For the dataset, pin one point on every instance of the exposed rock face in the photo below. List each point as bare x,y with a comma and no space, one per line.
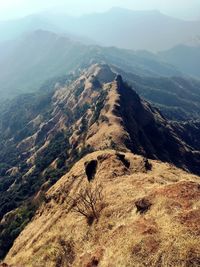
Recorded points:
148,218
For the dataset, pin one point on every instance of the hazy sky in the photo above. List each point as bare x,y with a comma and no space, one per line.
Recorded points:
180,8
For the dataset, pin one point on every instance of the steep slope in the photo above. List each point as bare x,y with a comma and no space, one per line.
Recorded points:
189,132
50,132
177,97
147,214
144,126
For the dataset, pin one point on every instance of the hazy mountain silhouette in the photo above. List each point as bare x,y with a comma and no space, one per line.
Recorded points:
30,60
118,27
186,58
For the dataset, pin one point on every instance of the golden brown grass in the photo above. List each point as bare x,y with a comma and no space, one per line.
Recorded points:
166,235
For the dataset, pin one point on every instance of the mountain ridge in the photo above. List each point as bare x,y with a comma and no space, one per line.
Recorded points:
96,111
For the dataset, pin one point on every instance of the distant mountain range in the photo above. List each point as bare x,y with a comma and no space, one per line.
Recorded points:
119,27
27,62
40,47
38,59
185,57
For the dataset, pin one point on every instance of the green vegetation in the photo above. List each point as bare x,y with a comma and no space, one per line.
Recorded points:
80,111
18,188
16,222
58,144
19,112
18,199
78,92
26,189
177,98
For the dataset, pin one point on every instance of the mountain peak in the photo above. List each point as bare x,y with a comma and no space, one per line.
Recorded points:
102,71
119,118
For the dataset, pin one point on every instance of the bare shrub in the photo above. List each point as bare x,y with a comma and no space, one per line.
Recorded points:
89,203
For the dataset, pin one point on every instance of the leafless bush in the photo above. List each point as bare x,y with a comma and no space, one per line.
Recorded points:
89,203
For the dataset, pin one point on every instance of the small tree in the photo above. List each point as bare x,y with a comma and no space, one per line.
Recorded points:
89,203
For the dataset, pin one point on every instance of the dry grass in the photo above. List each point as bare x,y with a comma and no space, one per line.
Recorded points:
166,235
101,134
